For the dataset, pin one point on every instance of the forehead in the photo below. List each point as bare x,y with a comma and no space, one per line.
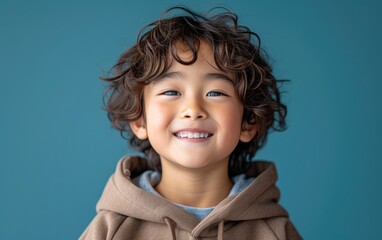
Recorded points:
186,63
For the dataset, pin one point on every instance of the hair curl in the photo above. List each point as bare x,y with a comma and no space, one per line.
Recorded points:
236,51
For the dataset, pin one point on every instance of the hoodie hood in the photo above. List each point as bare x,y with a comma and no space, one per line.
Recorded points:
257,201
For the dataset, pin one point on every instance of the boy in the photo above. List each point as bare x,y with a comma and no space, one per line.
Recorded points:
196,96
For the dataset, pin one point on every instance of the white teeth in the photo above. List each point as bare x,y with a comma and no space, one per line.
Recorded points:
183,135
191,135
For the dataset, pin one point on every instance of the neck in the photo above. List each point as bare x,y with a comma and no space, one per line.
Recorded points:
203,188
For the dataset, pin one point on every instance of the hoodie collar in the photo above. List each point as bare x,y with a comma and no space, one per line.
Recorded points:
258,200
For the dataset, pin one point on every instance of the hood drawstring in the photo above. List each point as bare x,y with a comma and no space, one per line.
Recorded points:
171,226
221,230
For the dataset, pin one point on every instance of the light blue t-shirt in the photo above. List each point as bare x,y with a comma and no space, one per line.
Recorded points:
149,179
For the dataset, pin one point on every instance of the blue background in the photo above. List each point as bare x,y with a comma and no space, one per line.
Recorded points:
57,149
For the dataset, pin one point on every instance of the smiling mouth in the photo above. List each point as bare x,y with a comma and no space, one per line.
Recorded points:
192,135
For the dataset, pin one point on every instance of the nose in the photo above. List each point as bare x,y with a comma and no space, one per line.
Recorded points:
193,109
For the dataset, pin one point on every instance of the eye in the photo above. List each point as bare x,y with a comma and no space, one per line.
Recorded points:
215,94
170,93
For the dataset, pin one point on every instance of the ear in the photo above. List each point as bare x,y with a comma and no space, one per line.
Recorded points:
248,132
139,128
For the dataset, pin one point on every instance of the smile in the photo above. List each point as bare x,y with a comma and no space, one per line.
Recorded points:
192,135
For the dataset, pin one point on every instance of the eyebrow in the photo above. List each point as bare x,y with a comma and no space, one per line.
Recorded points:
213,76
179,75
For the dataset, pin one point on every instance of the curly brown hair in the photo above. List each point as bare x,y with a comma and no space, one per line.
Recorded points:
236,51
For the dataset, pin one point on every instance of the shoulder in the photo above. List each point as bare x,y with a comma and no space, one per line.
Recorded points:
103,226
283,228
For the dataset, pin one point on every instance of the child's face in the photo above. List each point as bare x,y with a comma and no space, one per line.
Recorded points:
193,117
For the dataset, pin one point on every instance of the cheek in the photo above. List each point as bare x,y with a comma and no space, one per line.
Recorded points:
158,117
233,116
231,121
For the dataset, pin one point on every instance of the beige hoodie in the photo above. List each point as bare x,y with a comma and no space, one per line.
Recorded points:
128,212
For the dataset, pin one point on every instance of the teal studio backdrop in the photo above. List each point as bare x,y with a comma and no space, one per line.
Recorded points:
57,148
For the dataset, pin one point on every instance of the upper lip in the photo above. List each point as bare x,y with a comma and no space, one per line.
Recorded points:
193,130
